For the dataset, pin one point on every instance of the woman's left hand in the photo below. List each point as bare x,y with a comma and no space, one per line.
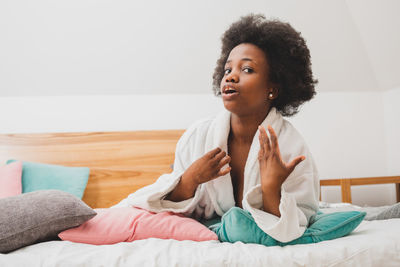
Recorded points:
273,170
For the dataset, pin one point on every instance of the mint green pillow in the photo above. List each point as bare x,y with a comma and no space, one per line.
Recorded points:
39,176
238,225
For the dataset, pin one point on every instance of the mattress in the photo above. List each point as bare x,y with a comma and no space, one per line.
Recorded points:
373,243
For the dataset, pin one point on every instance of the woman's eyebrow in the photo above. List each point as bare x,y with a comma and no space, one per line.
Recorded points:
243,59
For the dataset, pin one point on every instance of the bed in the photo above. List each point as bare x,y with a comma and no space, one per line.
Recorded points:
122,162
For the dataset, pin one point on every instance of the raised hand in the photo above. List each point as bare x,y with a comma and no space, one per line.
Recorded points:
208,167
273,170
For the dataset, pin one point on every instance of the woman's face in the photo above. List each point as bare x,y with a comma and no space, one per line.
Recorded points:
244,87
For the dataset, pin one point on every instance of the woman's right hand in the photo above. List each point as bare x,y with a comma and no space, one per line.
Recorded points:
208,167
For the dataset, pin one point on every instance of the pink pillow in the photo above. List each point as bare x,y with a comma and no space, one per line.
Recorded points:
115,225
10,179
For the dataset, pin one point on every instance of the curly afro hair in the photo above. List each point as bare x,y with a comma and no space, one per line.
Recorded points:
287,55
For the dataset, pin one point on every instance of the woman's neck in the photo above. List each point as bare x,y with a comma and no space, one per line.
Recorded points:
243,128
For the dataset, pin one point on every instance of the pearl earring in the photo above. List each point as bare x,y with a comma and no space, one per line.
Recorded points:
271,95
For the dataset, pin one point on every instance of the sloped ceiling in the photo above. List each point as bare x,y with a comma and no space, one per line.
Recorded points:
355,44
81,47
378,24
339,57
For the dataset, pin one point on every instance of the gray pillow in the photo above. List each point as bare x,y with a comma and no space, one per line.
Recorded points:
39,216
386,213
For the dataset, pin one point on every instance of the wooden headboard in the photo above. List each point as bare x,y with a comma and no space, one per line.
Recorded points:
119,162
122,162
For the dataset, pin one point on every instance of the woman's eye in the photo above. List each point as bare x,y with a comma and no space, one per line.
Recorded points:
248,70
227,71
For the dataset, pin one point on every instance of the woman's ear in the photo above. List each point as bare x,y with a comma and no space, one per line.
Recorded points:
272,92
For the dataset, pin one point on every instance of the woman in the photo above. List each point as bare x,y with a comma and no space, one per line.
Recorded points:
264,72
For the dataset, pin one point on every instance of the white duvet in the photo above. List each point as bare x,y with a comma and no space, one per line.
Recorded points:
373,243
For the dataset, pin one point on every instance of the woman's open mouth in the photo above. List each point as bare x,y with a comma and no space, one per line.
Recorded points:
229,93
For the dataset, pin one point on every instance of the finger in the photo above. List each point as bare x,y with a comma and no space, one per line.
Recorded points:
262,136
261,151
219,156
295,162
261,141
224,171
213,152
261,154
274,138
224,161
267,146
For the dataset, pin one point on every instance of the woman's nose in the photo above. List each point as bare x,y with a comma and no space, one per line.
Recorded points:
231,77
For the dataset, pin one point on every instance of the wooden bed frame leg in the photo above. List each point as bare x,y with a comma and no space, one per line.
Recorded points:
346,190
321,198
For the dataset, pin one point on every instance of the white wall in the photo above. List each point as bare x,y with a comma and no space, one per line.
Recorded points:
392,130
104,112
346,134
377,23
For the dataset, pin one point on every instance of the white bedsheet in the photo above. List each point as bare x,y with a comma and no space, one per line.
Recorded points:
373,243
